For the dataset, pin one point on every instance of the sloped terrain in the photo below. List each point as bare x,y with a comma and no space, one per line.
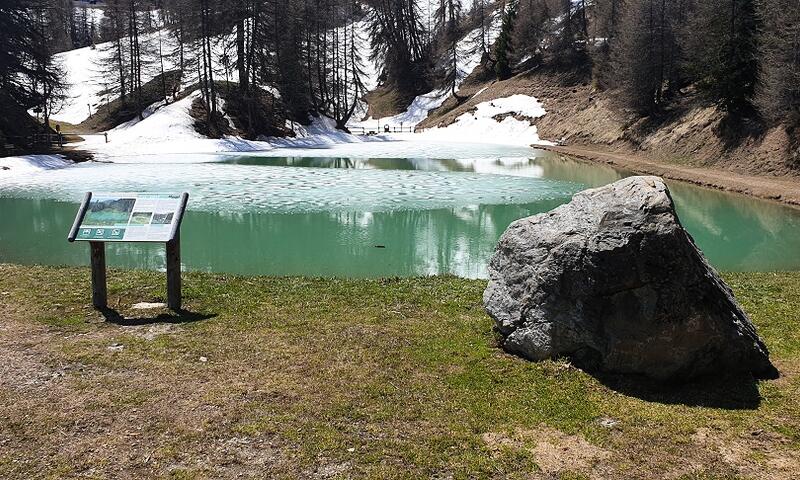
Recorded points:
109,115
692,133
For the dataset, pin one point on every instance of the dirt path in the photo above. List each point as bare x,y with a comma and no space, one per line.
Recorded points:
784,190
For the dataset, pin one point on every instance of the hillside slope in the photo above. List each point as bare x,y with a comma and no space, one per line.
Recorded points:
692,133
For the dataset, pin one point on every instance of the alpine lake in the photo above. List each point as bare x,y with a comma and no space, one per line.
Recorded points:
377,209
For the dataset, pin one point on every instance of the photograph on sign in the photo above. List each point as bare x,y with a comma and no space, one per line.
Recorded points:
131,217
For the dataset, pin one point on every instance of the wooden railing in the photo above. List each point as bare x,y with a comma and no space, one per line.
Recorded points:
50,140
361,130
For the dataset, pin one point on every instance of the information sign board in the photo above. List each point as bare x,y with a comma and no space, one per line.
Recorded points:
130,217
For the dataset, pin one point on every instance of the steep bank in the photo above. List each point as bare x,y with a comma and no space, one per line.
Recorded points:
784,189
691,134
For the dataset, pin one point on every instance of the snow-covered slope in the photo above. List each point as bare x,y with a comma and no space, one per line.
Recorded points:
84,91
87,79
503,120
169,130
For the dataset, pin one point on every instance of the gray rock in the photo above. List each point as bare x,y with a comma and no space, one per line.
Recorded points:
613,281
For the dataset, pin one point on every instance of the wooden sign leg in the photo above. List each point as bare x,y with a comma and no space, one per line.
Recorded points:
174,273
99,290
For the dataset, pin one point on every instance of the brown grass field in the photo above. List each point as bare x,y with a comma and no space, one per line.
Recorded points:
266,377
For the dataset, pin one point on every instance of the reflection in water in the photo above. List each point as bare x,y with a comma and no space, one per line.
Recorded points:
564,169
739,233
515,166
359,244
543,166
735,232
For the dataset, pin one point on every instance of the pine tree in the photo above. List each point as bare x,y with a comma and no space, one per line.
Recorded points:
722,47
347,85
112,67
46,83
646,55
779,82
530,28
449,33
503,46
608,14
29,77
481,9
399,43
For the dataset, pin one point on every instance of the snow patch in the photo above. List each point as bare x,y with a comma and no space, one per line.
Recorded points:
480,91
32,164
87,81
519,104
482,124
168,130
165,129
416,112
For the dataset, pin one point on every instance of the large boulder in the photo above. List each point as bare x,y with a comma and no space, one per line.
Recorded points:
613,281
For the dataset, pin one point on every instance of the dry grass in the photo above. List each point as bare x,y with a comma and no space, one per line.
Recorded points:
309,378
385,102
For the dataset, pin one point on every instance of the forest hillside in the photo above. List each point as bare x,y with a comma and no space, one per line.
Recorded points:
707,83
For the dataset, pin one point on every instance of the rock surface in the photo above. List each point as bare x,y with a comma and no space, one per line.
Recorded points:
613,281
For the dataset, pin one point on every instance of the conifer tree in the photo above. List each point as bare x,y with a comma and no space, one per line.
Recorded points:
449,33
778,94
503,46
399,43
29,77
722,49
646,55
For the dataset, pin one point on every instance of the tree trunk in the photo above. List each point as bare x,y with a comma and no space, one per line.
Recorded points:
240,54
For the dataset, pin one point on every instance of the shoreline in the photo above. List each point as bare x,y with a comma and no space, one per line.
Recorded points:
783,190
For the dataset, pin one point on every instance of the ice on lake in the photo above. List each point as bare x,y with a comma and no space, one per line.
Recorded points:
265,184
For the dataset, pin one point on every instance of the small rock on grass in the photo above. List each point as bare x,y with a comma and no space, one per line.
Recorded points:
148,305
608,422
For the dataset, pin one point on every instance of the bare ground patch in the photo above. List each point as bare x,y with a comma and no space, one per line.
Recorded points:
554,452
757,454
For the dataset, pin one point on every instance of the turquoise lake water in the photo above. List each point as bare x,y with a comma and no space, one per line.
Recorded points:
329,214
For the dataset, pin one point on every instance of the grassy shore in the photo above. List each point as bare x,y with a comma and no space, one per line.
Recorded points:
304,378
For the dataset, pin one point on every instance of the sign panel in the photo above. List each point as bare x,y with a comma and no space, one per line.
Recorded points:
130,217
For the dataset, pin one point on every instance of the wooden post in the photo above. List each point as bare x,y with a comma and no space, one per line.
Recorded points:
99,289
174,272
